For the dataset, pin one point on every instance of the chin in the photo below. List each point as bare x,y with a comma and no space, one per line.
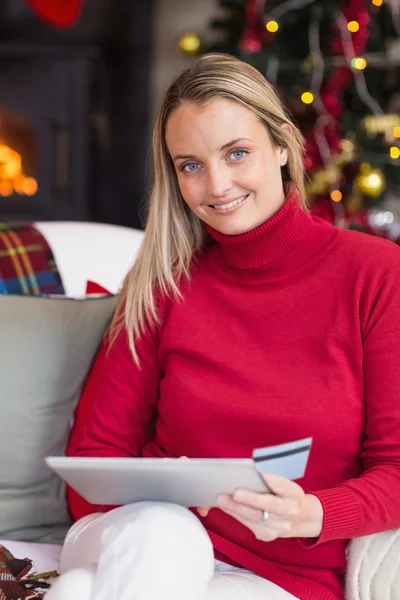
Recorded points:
235,228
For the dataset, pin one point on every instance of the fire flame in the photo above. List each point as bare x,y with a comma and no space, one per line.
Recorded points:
12,178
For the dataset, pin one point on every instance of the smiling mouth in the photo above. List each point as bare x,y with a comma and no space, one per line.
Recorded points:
229,205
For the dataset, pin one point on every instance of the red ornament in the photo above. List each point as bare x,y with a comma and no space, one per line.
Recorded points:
252,38
308,163
250,44
332,105
340,77
59,13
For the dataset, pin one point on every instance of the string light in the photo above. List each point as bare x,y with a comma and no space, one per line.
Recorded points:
353,26
272,26
394,152
307,97
359,63
336,195
377,2
359,78
324,117
396,132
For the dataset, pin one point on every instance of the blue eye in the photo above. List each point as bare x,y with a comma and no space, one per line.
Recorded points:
238,154
188,167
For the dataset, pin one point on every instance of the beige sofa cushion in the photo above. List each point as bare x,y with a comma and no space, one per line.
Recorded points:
47,345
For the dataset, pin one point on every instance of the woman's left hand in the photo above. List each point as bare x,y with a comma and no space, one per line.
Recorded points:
287,512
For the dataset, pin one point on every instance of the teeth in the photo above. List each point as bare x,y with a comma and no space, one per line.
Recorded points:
230,204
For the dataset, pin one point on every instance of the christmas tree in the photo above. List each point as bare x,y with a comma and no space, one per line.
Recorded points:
336,66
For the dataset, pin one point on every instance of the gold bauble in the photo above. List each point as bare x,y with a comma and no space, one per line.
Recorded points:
314,189
322,180
365,168
375,124
370,182
326,176
189,43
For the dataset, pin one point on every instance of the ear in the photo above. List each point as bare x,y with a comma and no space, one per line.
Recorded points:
283,156
283,151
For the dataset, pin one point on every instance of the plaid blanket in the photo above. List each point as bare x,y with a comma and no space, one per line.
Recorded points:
18,580
27,264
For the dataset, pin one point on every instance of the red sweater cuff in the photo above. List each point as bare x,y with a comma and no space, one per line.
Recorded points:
341,516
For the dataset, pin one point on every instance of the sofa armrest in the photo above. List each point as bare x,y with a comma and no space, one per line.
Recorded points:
373,571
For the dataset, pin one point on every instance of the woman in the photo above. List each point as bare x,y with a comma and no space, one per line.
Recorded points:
244,323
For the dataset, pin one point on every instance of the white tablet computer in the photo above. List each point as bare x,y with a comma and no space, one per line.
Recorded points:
194,482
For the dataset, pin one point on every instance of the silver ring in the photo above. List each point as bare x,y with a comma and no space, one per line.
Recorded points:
264,516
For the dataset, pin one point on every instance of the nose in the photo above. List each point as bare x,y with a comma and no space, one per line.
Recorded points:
218,181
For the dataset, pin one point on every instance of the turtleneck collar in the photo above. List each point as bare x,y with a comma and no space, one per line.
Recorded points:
283,243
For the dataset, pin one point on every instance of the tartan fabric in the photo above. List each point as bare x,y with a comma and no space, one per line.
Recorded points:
18,580
27,264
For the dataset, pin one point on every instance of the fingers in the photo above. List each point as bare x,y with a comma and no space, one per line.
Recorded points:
254,515
287,508
203,510
283,506
245,512
268,530
281,486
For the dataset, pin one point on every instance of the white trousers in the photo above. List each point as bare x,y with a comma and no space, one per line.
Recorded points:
150,551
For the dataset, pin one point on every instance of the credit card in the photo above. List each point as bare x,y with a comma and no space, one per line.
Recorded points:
288,460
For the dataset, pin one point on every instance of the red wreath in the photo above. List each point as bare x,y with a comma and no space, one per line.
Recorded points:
59,13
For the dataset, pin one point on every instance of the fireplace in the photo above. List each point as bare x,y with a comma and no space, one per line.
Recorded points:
18,172
70,113
45,157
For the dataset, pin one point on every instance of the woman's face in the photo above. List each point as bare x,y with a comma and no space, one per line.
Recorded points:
228,170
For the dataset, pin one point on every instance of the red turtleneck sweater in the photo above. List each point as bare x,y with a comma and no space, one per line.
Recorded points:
288,331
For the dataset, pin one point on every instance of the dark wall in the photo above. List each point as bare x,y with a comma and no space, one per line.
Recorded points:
113,40
123,191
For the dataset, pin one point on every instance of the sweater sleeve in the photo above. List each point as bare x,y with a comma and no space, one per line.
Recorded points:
370,503
125,400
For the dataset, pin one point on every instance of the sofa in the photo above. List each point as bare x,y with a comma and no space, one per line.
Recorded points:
103,254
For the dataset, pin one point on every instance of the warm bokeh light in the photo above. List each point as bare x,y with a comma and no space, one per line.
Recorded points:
394,152
377,2
307,97
396,132
189,43
353,26
272,26
359,63
336,195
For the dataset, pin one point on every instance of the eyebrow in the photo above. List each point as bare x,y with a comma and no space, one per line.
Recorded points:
224,147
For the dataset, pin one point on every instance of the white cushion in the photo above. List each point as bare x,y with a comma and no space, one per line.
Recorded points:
96,251
45,557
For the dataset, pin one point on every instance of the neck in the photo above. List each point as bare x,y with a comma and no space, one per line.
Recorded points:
280,245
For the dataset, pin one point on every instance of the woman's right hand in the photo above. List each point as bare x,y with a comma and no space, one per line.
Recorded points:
202,510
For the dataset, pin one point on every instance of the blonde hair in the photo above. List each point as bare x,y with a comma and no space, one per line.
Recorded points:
174,233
